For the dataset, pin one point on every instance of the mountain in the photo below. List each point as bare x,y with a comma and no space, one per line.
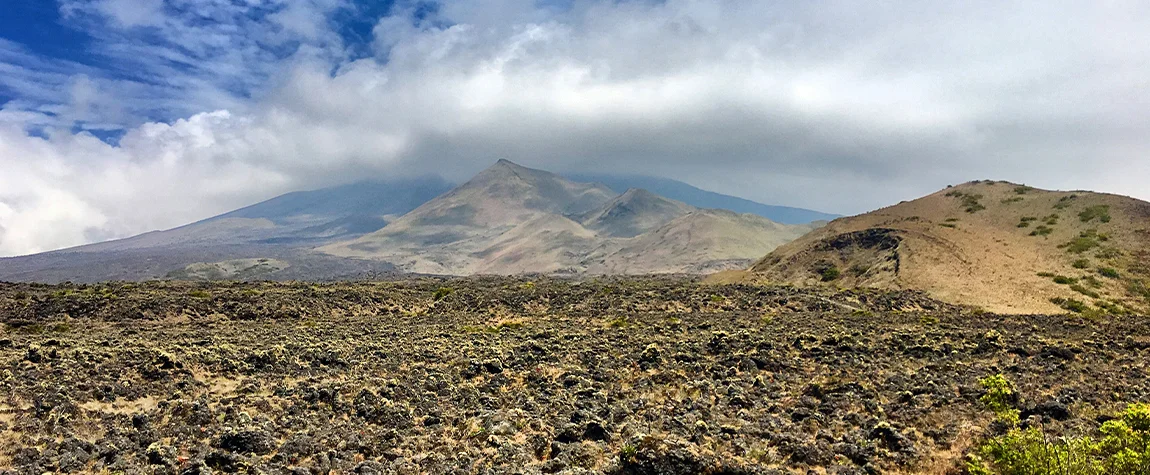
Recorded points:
512,219
632,213
679,191
1004,247
507,219
280,230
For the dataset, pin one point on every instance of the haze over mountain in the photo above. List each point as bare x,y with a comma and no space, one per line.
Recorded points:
1001,246
506,213
512,219
677,190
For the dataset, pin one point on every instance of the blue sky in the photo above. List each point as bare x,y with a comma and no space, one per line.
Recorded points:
124,116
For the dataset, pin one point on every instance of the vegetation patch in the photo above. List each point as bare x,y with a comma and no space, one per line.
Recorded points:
1025,221
1080,263
1109,272
971,202
1022,189
1121,446
1101,212
1084,291
1012,199
1041,230
1076,306
1065,202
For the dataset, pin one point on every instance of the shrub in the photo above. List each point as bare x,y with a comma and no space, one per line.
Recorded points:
1065,202
970,201
1051,219
1080,245
1102,212
1012,199
1108,272
1084,291
830,273
1076,306
1123,449
442,293
1046,274
1080,263
1022,189
1063,280
1041,230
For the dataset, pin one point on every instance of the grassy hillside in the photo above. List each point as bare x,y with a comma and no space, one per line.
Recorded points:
1003,246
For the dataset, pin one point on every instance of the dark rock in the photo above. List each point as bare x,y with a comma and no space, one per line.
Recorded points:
247,441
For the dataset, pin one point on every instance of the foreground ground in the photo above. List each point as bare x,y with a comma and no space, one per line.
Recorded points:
513,376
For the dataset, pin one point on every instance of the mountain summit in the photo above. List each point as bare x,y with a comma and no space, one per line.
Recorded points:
512,219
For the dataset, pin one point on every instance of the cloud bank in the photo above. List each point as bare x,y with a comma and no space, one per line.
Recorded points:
836,106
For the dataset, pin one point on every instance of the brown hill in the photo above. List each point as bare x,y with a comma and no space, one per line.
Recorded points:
511,219
998,245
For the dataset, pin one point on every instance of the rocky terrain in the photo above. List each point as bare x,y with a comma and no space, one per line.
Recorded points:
635,376
1001,246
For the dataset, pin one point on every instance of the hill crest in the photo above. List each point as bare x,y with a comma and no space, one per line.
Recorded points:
1002,246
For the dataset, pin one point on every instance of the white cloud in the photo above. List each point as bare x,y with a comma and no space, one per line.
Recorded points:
839,106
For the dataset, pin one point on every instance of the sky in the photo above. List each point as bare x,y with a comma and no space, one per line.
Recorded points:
123,116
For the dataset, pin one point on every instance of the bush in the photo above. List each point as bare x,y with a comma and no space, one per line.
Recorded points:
1084,291
1080,263
1080,244
1063,280
1108,272
830,273
442,293
1123,449
1102,212
1041,230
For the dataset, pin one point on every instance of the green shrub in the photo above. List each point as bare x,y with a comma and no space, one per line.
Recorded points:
830,273
1080,245
948,225
1108,253
1102,212
1108,272
999,398
1012,199
1063,280
1046,274
200,294
970,201
1076,306
1080,263
1084,291
442,293
1022,189
1123,449
1051,219
1041,230
1065,202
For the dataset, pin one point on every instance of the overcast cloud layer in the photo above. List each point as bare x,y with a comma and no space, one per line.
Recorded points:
836,106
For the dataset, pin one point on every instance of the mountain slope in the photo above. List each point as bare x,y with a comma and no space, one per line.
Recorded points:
282,228
699,242
679,191
633,213
1001,246
511,219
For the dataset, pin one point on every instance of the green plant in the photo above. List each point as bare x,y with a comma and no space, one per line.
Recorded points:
999,398
948,225
1102,212
1041,230
1063,280
1012,199
1080,263
1065,202
1022,189
200,294
830,273
1046,274
620,322
1122,449
970,201
1080,245
442,293
1108,272
1084,291
1051,219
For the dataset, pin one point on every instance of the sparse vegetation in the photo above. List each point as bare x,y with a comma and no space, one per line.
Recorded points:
1012,199
1022,189
1041,230
971,202
1080,263
1109,272
333,376
1122,449
1101,212
1084,291
1064,280
1065,202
